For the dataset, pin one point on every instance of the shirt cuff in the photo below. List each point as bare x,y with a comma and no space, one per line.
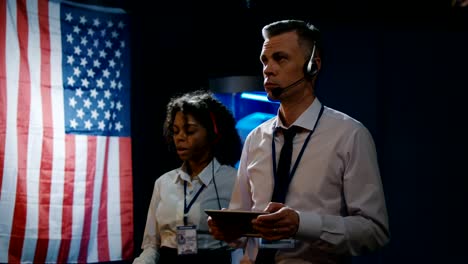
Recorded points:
310,225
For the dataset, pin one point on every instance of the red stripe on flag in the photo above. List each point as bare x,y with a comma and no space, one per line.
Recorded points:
68,192
24,100
3,95
126,196
90,175
47,138
103,238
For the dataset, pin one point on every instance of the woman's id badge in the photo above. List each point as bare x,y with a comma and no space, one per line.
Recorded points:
187,240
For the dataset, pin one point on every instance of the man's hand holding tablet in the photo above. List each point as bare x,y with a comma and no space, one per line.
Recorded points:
228,224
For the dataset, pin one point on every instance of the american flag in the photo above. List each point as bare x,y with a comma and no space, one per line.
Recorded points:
65,145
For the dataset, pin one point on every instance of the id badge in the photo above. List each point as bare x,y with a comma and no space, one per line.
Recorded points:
282,243
187,240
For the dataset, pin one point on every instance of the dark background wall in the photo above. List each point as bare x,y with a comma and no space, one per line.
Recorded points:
400,68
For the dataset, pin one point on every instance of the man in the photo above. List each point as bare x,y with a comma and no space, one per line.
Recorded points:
330,203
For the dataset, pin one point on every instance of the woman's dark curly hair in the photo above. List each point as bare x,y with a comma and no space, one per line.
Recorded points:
212,115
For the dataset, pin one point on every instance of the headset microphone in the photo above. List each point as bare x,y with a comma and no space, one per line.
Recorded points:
277,91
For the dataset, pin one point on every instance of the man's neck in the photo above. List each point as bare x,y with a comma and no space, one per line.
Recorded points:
290,110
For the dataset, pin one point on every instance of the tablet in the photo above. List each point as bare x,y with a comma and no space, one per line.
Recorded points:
238,220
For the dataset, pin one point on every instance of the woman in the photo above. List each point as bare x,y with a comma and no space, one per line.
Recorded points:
202,132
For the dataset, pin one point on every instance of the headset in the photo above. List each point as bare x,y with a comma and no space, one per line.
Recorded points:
215,128
310,68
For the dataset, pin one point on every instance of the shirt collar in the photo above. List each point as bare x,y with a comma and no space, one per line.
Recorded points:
205,176
306,120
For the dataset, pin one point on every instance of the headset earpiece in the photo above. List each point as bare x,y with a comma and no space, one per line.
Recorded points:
215,128
310,68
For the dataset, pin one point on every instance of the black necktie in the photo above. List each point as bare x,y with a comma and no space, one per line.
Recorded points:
284,166
267,255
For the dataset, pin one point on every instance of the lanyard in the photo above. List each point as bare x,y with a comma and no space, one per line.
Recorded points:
187,208
273,151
